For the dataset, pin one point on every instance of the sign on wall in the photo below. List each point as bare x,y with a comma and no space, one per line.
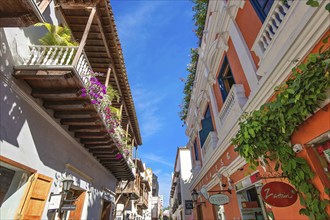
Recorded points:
279,194
219,199
55,201
189,204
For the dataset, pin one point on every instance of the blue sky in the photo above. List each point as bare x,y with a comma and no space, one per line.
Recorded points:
156,38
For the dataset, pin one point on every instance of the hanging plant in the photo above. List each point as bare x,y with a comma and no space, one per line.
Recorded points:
267,132
102,98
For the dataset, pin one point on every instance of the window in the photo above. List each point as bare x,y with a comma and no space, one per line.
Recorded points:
207,126
196,150
262,8
225,79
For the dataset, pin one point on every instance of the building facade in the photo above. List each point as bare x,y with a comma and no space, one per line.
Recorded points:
180,196
51,134
133,196
248,48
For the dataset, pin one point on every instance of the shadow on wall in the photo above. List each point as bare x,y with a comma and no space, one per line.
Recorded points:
9,108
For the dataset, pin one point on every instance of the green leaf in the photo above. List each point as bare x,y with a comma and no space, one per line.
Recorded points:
251,131
246,135
312,3
327,7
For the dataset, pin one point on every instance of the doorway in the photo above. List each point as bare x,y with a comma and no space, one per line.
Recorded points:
106,210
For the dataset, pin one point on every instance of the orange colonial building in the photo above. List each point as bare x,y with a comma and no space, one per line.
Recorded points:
246,51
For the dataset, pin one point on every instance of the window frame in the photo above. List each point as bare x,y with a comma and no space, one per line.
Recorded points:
259,9
223,78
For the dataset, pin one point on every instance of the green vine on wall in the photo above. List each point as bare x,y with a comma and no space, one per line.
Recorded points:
266,132
200,9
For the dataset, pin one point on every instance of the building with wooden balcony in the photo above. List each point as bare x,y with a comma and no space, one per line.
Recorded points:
50,132
248,48
133,196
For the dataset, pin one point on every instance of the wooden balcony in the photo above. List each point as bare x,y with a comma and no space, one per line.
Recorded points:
21,13
131,189
143,201
55,79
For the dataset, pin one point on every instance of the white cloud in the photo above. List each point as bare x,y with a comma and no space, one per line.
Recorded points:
133,23
155,158
147,106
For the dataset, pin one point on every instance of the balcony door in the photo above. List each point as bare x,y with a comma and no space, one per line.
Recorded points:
262,8
225,79
207,126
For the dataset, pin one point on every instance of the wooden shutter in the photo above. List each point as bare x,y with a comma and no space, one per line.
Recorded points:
76,214
36,197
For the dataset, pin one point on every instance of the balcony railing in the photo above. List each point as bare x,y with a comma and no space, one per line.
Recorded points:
209,145
143,201
59,56
131,188
232,109
271,26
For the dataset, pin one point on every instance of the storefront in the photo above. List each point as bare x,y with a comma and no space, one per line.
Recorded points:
249,199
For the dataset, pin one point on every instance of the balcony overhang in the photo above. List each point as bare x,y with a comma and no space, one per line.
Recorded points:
103,49
19,13
57,83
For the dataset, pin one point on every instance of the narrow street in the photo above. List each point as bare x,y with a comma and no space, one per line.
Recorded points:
165,109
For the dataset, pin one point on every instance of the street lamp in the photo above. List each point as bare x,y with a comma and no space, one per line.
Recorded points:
194,196
67,183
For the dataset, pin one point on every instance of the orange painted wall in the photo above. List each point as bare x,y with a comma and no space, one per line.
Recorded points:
310,129
245,17
236,67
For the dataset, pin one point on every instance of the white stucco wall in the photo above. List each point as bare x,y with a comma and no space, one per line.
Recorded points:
32,137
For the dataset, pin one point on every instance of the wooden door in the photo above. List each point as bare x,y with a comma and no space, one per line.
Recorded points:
106,210
33,204
76,214
199,212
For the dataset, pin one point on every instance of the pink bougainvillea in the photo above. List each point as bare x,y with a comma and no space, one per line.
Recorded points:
98,95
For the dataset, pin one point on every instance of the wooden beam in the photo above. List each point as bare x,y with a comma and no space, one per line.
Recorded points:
91,134
58,93
86,128
42,74
108,77
84,37
75,114
80,121
94,140
68,104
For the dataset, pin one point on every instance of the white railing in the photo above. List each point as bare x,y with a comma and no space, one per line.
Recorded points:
209,145
38,2
270,27
232,109
59,56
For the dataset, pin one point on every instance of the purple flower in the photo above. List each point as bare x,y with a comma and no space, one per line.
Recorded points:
119,156
93,102
83,95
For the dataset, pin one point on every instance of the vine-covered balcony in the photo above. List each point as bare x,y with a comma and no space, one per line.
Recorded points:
59,75
57,79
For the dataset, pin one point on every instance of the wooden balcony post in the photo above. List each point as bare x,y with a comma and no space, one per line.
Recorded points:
84,37
108,77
